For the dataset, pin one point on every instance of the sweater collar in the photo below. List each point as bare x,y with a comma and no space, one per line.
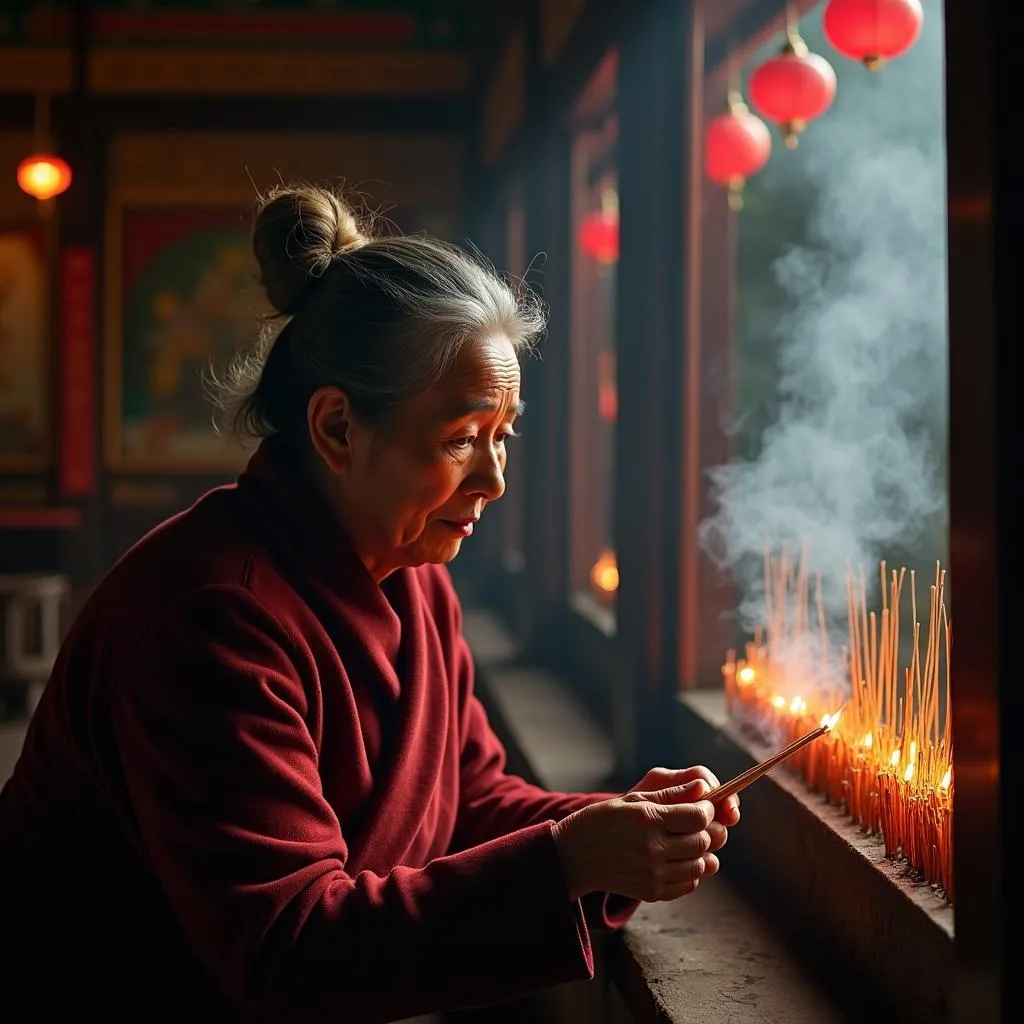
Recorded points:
299,527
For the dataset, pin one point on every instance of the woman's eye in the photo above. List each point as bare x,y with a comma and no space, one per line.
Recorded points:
462,442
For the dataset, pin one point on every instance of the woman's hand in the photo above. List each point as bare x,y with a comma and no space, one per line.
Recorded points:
667,780
646,845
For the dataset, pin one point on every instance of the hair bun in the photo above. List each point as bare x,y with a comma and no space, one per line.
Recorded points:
299,229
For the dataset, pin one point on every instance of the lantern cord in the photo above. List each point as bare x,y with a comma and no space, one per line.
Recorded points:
42,120
732,65
792,21
42,104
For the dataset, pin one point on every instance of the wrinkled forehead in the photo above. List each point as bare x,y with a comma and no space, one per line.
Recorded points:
491,363
485,378
483,381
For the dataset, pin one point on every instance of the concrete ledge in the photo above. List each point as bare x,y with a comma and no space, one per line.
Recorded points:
708,958
704,959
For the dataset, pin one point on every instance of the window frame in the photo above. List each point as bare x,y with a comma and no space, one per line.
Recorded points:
631,675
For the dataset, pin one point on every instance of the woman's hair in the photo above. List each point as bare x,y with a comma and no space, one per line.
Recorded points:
382,318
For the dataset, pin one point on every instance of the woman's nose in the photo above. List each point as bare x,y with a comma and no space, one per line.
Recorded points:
489,480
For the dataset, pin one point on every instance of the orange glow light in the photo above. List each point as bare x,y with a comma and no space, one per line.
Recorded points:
604,574
44,176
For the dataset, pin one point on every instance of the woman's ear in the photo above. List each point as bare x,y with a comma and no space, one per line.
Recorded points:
329,418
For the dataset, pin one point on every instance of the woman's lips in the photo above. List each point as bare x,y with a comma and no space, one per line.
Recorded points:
463,527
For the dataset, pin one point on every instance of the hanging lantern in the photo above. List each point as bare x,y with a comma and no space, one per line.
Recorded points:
599,231
44,176
737,145
873,31
793,87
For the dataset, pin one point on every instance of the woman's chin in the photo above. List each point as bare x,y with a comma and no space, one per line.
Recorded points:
436,553
446,552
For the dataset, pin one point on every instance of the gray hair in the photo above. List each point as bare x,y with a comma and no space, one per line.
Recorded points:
382,318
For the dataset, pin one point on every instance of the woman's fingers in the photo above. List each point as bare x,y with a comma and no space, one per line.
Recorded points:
719,835
689,846
728,811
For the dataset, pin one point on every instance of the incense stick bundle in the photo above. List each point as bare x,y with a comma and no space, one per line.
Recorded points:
741,782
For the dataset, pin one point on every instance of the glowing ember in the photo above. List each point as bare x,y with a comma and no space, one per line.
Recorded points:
947,778
746,675
829,721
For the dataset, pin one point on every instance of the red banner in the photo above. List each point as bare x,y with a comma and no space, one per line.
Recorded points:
77,373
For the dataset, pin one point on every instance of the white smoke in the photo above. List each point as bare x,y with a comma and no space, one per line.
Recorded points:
853,466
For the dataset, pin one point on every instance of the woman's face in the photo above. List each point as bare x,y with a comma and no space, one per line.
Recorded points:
412,493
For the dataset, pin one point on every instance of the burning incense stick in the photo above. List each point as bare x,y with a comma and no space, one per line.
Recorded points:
741,782
889,764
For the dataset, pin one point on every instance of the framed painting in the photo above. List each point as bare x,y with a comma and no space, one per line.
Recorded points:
182,298
24,352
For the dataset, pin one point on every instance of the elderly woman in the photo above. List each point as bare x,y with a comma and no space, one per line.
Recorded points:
258,785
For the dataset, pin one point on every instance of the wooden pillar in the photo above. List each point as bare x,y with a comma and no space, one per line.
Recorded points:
658,63
78,276
546,388
709,598
544,448
986,220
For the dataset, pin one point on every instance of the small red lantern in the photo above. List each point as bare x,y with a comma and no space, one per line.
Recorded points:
873,31
737,145
793,87
599,231
44,176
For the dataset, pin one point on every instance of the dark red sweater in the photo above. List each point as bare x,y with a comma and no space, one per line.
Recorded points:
259,786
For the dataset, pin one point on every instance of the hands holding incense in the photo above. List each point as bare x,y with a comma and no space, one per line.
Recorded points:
654,843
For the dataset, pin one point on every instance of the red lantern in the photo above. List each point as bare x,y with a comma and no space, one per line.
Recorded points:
793,87
873,31
737,145
44,176
599,231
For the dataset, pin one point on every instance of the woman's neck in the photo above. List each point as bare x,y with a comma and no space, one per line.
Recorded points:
348,520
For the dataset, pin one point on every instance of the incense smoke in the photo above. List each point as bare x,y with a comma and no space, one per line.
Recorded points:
854,463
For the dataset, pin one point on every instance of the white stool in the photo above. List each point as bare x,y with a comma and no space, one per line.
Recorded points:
33,617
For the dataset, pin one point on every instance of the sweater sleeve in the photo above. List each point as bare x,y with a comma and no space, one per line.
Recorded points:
211,721
493,803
